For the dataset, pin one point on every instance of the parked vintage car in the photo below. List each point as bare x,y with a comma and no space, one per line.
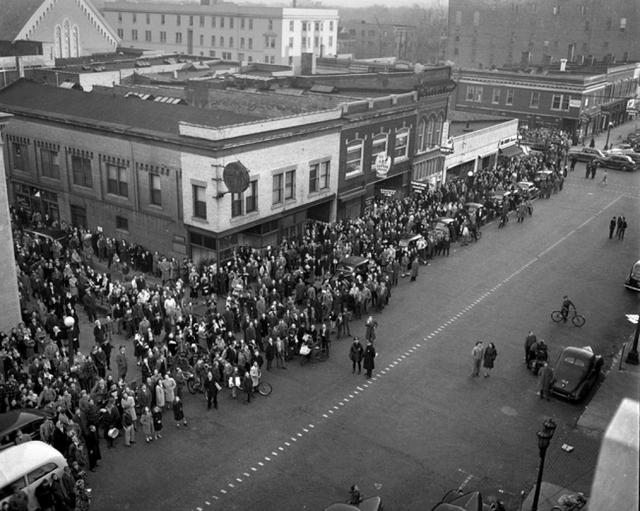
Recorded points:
584,153
477,211
410,242
352,266
633,280
28,421
528,190
576,372
616,151
617,162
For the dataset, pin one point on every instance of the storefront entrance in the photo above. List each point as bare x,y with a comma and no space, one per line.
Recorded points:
34,200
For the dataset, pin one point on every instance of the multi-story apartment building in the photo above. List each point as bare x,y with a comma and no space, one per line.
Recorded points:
10,314
582,102
485,33
245,33
376,40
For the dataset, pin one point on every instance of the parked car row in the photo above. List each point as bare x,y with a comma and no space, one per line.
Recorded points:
620,157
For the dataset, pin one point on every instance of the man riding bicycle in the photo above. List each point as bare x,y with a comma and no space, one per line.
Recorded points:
566,306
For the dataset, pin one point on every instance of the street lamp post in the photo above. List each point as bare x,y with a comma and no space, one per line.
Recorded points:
544,438
606,145
632,356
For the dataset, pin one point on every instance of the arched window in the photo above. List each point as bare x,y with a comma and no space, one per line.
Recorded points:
58,41
66,39
75,42
437,131
429,136
422,131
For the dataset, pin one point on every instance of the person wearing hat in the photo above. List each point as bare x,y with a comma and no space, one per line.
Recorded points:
354,495
368,357
356,352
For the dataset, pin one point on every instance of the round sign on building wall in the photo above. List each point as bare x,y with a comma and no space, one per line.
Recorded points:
236,177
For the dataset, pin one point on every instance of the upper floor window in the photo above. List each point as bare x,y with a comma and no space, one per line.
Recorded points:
291,26
319,176
134,17
251,197
401,149
155,190
162,19
242,23
117,180
509,98
270,24
178,20
354,158
236,204
231,22
178,37
277,191
199,202
213,22
50,163
534,102
495,99
290,185
437,131
19,156
147,18
250,23
81,171
421,132
119,17
190,21
378,146
474,93
201,21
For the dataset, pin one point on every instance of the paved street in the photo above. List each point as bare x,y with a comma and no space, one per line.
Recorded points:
422,426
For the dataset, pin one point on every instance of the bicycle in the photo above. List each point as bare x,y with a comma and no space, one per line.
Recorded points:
264,388
577,320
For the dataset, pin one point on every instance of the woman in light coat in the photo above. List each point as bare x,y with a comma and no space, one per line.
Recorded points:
169,385
160,394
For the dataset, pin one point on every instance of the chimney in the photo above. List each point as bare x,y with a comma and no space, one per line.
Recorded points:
563,65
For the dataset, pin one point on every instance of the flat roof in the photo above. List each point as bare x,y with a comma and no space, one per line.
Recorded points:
216,8
104,109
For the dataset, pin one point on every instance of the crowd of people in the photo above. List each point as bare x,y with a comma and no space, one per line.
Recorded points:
169,321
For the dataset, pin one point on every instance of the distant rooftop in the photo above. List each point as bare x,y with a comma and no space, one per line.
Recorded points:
465,122
25,96
196,8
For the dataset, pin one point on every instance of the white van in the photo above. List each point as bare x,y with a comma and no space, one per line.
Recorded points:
25,466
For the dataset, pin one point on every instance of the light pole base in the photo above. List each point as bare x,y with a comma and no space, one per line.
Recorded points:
632,358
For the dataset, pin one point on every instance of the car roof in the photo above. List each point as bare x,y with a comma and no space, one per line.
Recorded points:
16,419
353,260
528,183
29,454
475,204
574,351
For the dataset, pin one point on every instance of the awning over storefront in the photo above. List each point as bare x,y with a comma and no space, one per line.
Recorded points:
352,194
511,151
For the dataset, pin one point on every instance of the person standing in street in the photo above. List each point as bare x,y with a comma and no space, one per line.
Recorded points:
370,329
488,358
414,268
211,390
121,363
356,353
476,355
622,226
369,356
619,226
529,342
545,380
612,226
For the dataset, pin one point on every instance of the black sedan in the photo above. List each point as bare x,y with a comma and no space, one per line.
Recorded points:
577,370
616,162
584,153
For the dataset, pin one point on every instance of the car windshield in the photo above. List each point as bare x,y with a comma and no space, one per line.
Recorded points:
574,361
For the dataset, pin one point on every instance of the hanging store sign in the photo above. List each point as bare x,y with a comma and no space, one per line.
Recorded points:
382,164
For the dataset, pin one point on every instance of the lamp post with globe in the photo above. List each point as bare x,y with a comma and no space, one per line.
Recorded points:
544,438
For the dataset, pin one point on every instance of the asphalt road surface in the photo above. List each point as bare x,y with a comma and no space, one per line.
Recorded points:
422,425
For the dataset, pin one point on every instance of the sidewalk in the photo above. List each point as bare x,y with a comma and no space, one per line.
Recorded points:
617,385
592,424
618,134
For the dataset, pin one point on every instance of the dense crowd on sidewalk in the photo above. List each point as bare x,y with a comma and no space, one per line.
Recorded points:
221,325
